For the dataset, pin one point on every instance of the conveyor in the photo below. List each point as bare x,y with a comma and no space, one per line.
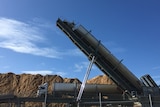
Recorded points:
129,84
108,63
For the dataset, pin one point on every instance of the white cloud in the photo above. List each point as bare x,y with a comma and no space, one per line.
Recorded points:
45,72
6,67
42,72
73,52
22,37
61,73
78,67
156,68
156,79
1,56
158,82
82,66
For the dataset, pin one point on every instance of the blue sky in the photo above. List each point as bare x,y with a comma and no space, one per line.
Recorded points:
30,42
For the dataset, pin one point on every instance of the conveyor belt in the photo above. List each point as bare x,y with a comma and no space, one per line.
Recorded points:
106,62
148,81
89,88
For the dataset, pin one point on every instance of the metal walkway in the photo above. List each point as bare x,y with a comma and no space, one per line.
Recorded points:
20,101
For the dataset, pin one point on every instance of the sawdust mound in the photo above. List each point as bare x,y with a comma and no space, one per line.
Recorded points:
101,79
26,85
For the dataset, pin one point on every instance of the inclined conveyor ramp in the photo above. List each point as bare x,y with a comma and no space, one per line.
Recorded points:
105,61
